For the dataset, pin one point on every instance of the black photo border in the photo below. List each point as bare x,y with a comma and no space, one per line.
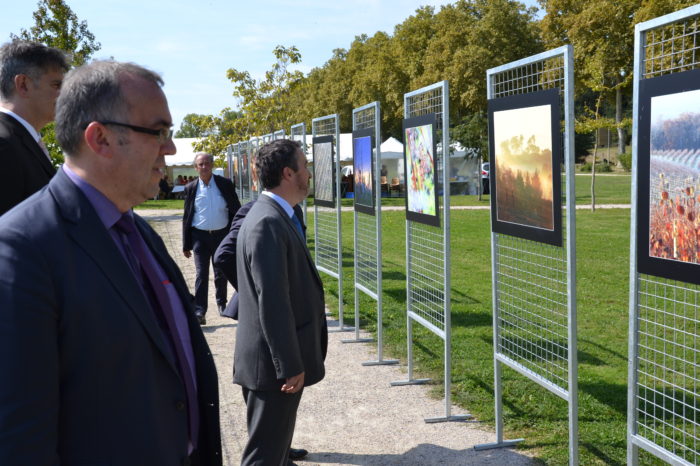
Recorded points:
662,85
519,101
413,122
357,134
323,140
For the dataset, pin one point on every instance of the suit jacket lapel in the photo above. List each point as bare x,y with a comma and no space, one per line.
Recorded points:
296,233
30,144
87,230
170,268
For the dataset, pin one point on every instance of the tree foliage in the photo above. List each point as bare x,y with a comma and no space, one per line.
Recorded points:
56,25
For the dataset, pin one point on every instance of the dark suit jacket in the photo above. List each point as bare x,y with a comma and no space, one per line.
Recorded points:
87,376
226,188
225,256
24,164
281,322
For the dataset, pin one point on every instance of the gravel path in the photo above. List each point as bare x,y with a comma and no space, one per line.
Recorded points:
353,416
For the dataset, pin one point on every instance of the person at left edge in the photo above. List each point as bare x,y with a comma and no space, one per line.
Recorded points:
102,359
210,205
30,80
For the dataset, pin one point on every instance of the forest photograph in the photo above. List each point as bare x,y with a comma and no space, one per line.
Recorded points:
523,166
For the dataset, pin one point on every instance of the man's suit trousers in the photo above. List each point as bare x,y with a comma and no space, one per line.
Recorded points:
271,419
204,246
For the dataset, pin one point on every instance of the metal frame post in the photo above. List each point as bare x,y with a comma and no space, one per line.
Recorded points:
298,133
330,125
434,309
550,69
368,228
660,375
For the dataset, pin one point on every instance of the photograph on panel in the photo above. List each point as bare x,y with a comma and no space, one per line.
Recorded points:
245,171
324,184
669,175
525,169
421,172
363,170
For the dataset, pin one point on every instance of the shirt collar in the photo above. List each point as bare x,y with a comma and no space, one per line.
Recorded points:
23,122
281,201
106,210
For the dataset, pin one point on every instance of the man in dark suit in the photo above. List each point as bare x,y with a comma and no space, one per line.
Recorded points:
225,255
30,79
282,336
102,360
210,204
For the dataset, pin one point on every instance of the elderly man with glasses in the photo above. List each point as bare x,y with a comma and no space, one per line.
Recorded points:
102,359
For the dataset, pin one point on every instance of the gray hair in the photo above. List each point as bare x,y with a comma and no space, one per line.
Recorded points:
94,93
29,58
211,157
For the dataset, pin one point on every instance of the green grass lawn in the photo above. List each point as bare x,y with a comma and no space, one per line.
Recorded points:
530,411
610,189
162,204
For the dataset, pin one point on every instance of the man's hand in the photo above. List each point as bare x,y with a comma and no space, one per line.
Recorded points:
293,384
187,254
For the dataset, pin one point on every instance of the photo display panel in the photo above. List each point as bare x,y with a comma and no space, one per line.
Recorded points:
324,181
245,169
420,170
668,180
525,175
363,170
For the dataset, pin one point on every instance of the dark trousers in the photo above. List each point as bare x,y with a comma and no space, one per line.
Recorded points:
271,416
204,246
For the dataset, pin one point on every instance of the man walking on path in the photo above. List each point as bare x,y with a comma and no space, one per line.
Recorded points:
30,80
210,205
102,360
282,336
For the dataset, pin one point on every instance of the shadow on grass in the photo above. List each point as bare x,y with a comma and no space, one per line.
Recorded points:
598,453
610,394
471,319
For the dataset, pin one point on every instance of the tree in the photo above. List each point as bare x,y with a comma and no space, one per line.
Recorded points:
217,132
265,103
602,33
55,25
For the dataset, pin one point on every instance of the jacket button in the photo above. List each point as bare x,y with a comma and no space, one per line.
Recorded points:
180,406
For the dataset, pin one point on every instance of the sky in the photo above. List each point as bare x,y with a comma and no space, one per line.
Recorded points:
192,44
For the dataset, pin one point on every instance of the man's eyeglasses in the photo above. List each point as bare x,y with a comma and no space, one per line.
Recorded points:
164,134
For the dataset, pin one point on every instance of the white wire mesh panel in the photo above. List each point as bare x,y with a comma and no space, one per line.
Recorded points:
672,48
366,258
425,244
666,407
326,218
667,374
531,280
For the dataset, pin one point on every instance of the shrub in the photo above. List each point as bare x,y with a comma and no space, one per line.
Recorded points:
599,167
625,160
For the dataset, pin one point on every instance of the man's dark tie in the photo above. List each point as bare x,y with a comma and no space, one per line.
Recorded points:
297,224
134,248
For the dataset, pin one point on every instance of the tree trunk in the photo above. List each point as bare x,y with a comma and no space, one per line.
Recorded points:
621,133
595,154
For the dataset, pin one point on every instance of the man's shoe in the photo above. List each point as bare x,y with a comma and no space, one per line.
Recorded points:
222,308
297,453
200,318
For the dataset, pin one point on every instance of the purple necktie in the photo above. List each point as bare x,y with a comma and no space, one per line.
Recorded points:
153,288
